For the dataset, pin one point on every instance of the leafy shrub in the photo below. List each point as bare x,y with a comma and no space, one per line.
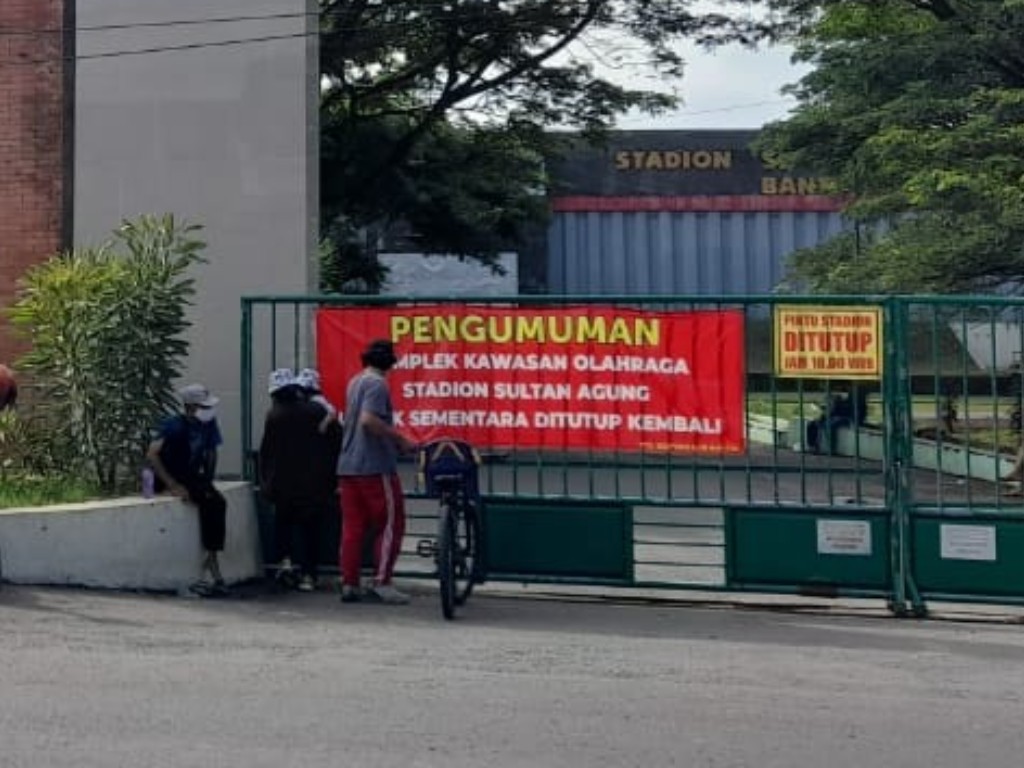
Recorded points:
106,327
32,446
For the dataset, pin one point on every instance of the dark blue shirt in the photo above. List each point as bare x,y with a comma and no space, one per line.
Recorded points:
189,451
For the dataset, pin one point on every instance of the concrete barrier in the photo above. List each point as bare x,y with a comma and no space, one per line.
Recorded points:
947,457
127,543
869,444
766,430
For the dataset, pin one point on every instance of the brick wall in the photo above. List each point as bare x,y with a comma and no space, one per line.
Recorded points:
32,144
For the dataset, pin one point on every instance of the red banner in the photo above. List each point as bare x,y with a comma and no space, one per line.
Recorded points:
576,377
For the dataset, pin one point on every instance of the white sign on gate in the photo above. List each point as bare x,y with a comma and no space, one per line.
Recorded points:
844,537
968,542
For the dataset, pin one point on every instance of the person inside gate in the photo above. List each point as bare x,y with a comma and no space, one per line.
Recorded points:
836,412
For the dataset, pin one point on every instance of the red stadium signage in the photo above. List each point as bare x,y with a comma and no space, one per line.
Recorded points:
577,377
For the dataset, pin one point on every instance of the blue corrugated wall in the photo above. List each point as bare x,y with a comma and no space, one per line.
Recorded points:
643,253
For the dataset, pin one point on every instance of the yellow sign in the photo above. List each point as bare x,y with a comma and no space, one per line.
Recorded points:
828,342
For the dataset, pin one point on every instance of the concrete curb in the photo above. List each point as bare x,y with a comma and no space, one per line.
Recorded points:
126,543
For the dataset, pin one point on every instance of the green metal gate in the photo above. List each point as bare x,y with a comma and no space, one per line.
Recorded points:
958,397
877,514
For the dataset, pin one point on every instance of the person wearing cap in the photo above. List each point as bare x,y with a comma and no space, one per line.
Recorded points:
371,493
184,459
289,455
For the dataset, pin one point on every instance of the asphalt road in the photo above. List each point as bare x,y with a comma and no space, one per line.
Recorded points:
93,679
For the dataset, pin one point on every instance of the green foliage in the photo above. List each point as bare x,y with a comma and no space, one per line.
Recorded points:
346,266
106,329
435,113
31,445
39,464
467,192
39,491
508,60
917,109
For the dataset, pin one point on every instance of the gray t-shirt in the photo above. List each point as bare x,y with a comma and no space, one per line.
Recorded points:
362,452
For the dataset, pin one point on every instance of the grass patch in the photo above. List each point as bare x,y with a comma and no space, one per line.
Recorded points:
35,491
780,409
981,439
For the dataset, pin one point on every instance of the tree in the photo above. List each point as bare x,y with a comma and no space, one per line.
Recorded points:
435,111
916,108
462,191
106,328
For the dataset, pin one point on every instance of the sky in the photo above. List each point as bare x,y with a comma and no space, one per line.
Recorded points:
730,88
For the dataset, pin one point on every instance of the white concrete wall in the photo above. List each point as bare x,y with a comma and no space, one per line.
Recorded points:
225,135
130,543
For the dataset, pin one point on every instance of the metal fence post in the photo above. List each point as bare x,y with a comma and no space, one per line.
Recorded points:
900,428
894,405
245,387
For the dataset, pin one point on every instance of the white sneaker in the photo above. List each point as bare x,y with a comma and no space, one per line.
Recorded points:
387,594
306,584
287,575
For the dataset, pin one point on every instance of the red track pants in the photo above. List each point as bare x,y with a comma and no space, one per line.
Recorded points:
371,504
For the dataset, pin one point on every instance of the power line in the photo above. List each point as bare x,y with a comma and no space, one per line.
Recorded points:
270,38
412,23
60,30
29,31
737,107
162,49
170,48
688,113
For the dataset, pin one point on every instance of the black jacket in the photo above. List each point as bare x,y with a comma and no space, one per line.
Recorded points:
296,459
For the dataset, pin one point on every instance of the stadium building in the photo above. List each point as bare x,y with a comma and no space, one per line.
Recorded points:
676,212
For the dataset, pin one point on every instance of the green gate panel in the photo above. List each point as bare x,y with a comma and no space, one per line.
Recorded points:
808,549
568,540
971,556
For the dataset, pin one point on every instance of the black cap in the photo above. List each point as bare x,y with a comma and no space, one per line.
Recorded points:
380,353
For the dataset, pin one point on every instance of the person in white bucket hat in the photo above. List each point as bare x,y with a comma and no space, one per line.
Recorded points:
309,380
289,455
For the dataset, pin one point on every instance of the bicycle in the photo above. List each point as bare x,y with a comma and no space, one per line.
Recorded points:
448,471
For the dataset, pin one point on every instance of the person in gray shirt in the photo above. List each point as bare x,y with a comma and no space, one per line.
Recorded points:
371,492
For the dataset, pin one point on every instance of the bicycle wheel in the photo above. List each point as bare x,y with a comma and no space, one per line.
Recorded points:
467,554
446,560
